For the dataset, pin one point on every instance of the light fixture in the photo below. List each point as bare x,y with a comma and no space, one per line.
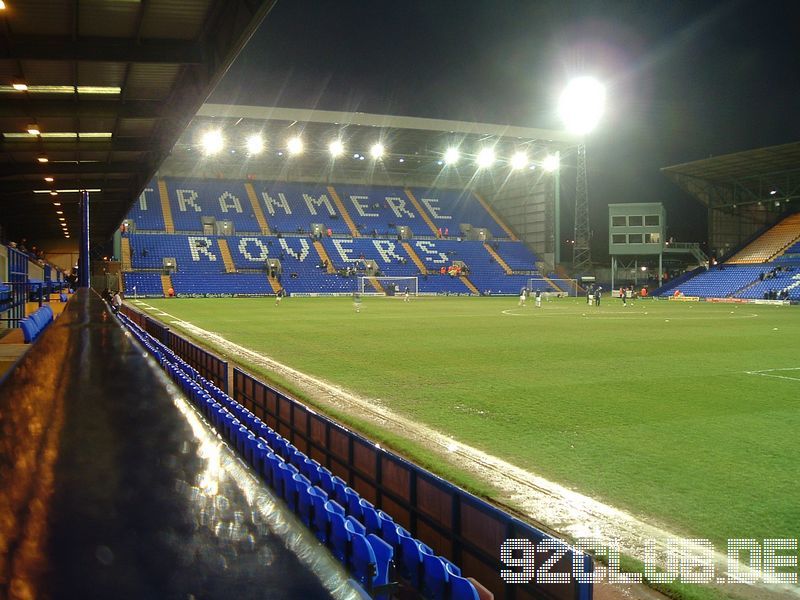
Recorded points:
2,5
59,212
53,193
519,160
377,151
56,203
42,159
49,179
295,145
33,129
61,219
20,86
550,163
581,104
255,145
451,156
773,192
336,148
485,158
212,142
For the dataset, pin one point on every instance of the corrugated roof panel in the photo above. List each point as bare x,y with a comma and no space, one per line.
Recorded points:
175,19
135,127
110,19
47,72
101,73
151,82
41,17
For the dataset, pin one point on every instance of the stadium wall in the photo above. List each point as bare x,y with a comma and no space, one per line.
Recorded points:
525,202
730,228
456,524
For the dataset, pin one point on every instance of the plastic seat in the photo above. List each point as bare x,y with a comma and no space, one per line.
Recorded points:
369,516
410,565
460,588
353,501
391,533
339,537
295,486
319,520
29,330
434,576
305,504
339,486
326,480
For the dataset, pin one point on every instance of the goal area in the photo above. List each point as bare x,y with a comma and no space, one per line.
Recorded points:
388,286
567,287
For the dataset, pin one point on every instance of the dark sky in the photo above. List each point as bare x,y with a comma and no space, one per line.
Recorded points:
686,78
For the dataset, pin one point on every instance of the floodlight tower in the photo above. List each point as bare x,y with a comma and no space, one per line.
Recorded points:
581,106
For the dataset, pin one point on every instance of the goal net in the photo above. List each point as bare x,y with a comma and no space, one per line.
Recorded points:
388,286
565,287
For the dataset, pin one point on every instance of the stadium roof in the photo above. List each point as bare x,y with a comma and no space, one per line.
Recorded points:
415,146
771,173
110,86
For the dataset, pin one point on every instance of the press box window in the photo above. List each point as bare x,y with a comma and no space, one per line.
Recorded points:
635,238
618,238
652,238
635,221
618,221
652,220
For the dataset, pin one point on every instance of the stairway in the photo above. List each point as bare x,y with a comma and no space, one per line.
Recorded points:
495,216
273,282
166,285
323,256
465,280
421,211
126,254
377,286
169,224
553,283
498,259
227,259
415,257
260,216
769,244
343,212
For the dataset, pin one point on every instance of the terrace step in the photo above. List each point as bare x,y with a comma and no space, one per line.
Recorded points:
421,211
274,283
496,217
377,286
343,211
323,256
259,214
465,280
415,257
227,259
553,283
163,194
126,254
498,259
166,284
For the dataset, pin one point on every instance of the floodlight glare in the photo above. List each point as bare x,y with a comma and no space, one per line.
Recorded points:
376,151
519,160
550,163
336,148
485,158
294,145
255,145
582,104
451,156
212,142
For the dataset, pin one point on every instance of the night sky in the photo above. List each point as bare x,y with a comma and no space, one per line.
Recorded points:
686,79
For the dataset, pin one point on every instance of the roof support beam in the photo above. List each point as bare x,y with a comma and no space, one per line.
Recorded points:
60,48
54,168
20,106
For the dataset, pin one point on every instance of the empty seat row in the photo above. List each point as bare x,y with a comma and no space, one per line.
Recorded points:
33,325
366,540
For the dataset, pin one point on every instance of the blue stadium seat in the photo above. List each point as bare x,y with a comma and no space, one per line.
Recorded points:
411,551
339,537
370,517
320,522
434,576
460,588
29,330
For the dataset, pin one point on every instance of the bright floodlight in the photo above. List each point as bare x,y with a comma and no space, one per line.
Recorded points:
451,156
255,145
582,104
519,160
377,151
336,148
295,145
213,142
485,158
550,163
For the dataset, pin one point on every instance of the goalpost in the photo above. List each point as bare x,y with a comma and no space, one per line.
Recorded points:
568,287
388,286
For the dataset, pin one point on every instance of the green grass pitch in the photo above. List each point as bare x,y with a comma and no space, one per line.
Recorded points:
650,408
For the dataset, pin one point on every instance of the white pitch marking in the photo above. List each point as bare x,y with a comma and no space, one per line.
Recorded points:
769,373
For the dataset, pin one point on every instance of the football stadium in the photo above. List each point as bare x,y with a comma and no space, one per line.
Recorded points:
264,351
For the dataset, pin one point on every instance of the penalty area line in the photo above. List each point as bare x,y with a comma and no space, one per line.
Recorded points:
771,373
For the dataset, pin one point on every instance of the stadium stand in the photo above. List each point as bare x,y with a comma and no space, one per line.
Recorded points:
364,540
448,209
771,243
146,212
293,208
225,200
380,210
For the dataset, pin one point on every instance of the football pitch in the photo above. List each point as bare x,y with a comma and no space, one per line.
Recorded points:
683,414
